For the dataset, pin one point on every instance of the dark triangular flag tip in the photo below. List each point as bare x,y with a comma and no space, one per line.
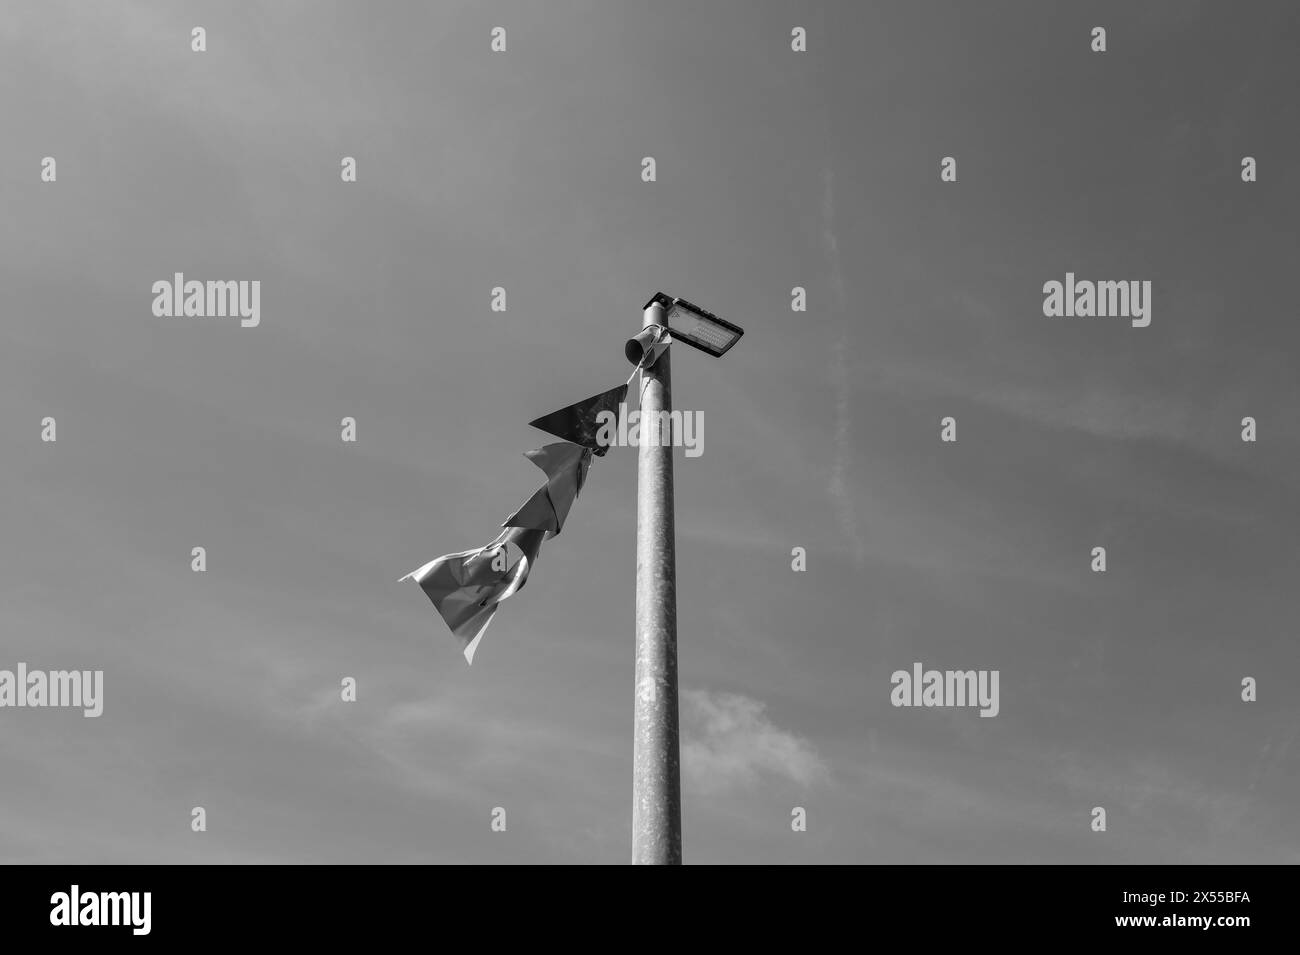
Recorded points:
577,422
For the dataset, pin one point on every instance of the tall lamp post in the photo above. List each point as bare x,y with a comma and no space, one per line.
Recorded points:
656,769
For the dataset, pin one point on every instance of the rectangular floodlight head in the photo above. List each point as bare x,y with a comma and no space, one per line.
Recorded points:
696,326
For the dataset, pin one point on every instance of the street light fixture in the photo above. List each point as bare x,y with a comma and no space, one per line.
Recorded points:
695,326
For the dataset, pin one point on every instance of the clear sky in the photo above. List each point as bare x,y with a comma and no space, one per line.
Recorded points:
775,169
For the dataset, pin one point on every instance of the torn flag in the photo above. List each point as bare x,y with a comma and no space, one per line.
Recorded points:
577,422
467,587
566,467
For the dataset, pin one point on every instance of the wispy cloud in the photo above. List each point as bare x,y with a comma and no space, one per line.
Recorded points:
730,742
845,509
829,239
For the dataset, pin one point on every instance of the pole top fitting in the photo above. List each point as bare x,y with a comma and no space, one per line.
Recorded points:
663,301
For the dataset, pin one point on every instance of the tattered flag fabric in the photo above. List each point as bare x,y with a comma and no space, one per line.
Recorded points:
467,587
566,469
577,422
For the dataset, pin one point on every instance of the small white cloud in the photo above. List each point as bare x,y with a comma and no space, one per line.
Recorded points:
729,741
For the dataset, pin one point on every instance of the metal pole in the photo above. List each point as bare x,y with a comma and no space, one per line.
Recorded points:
656,774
